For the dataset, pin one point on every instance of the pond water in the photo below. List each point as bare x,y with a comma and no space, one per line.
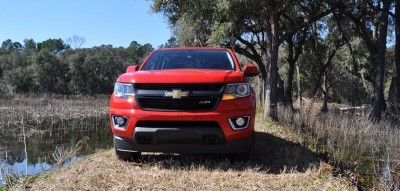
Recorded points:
43,139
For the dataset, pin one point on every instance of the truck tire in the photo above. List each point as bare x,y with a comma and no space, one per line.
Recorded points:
128,156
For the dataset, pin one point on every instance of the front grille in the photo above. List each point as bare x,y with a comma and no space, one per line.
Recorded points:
183,104
200,97
177,124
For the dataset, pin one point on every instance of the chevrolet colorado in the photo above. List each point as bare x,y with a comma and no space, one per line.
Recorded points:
184,100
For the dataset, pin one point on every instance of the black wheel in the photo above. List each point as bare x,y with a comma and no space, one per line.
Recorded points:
128,156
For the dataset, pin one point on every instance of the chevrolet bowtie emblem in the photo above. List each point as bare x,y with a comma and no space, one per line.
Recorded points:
176,94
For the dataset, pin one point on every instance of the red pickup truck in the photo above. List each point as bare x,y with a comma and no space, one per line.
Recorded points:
184,100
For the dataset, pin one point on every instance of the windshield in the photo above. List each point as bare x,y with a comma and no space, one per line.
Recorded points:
194,59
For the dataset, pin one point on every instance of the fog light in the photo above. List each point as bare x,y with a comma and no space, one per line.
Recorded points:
240,121
120,121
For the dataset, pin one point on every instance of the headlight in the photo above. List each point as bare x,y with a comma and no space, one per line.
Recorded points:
233,91
123,90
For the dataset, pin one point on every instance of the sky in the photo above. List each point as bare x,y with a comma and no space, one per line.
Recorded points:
114,22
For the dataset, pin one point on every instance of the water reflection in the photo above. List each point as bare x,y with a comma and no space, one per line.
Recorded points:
43,138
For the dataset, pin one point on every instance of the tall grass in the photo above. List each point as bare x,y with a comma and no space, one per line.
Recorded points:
48,109
367,152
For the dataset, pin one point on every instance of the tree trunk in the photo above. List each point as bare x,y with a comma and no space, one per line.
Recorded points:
261,82
274,68
267,87
261,90
281,91
271,90
324,107
289,85
394,92
299,92
289,77
393,99
380,64
293,56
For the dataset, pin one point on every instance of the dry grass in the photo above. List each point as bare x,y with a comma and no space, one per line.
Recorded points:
103,171
32,110
279,164
356,146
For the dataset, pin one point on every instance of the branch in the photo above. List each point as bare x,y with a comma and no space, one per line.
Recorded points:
308,21
361,29
250,52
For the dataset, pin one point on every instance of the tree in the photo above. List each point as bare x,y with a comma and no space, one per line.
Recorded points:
53,45
7,46
252,28
138,51
30,46
192,23
16,74
94,71
79,72
170,43
394,92
370,22
144,50
17,46
76,41
379,99
50,73
320,53
52,67
294,47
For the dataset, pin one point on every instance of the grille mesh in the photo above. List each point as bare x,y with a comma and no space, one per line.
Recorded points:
191,104
206,100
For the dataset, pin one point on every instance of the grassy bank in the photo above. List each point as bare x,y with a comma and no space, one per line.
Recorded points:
280,160
280,163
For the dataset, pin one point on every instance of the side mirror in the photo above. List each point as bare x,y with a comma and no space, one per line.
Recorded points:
131,69
250,70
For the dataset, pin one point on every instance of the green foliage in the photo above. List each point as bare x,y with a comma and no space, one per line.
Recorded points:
170,43
192,22
138,51
7,46
53,45
17,73
30,46
220,34
53,67
95,70
256,29
50,73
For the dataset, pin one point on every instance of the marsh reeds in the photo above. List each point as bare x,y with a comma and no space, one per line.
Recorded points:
366,151
36,124
10,177
46,109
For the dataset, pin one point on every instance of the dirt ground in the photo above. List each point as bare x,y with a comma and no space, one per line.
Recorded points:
279,163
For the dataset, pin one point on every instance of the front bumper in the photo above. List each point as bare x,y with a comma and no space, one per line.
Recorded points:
222,139
235,146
